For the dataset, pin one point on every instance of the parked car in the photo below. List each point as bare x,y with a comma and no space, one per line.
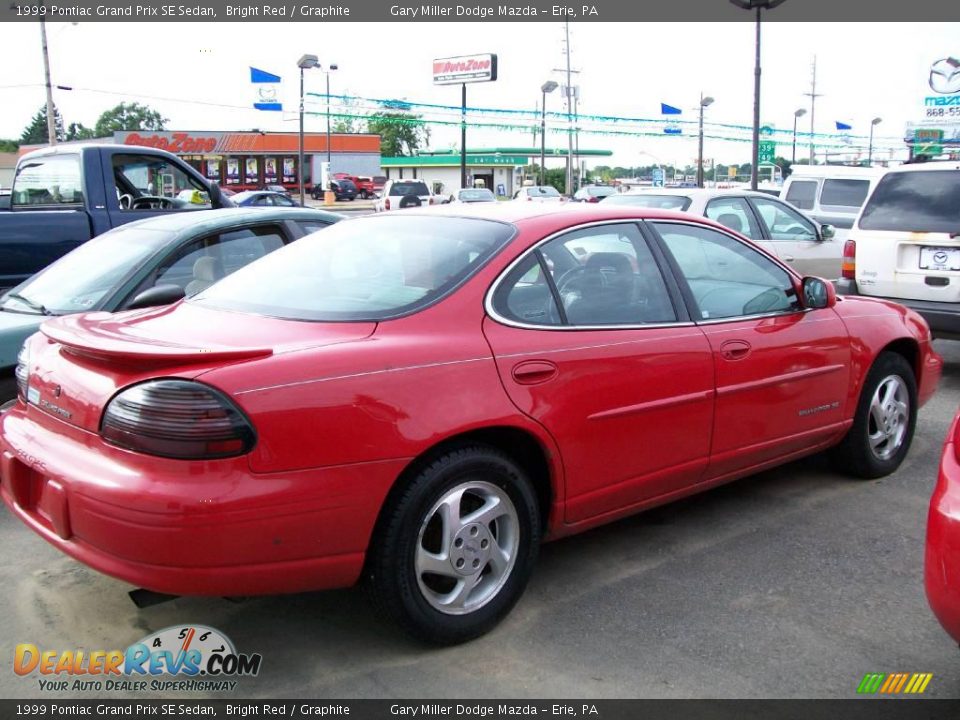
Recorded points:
942,561
149,262
64,195
779,228
378,182
264,198
420,398
400,193
472,195
593,193
539,193
831,194
364,185
342,190
275,189
905,244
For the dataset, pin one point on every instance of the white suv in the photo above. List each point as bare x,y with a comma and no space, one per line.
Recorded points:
403,193
905,244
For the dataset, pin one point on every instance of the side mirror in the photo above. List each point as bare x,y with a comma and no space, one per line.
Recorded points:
817,293
217,198
827,232
156,296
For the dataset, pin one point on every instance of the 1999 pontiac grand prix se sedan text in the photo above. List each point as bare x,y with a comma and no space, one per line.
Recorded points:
420,398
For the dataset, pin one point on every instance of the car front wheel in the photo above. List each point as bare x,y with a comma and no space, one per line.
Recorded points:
456,547
886,416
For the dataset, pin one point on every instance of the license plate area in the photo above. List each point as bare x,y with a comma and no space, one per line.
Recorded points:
38,495
940,258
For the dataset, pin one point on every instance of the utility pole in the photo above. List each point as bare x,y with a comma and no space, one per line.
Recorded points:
51,114
813,95
570,93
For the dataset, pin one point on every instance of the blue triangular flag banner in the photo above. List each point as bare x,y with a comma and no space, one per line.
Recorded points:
673,131
262,76
669,109
266,90
843,126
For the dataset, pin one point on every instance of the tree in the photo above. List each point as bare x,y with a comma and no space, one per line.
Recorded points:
79,131
8,146
349,124
36,132
401,134
128,116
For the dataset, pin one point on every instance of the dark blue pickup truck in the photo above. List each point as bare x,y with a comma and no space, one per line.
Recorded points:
64,195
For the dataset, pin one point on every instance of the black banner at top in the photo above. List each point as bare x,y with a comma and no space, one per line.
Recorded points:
853,11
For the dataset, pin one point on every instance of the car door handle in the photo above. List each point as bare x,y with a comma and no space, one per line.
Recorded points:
788,258
532,372
735,349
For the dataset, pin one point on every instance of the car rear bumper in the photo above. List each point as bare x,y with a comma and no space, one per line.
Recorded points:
189,528
942,561
942,317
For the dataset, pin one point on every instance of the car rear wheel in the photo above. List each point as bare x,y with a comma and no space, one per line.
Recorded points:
886,416
456,547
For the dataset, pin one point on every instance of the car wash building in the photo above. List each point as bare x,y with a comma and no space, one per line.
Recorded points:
248,160
499,169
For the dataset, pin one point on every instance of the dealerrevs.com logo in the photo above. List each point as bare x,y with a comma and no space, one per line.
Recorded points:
177,658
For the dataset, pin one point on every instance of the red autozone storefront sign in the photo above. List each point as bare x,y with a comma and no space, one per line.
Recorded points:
464,69
174,142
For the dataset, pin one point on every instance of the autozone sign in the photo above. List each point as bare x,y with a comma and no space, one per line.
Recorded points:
465,69
174,142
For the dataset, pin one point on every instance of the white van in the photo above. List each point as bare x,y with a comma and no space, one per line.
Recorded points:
831,194
905,244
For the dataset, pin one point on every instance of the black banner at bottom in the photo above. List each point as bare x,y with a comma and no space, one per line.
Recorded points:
854,709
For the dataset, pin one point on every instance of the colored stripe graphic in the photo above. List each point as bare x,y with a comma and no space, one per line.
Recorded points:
894,683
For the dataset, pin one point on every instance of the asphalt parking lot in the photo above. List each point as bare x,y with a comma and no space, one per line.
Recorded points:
792,583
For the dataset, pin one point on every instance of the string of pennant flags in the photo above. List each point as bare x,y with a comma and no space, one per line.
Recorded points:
525,120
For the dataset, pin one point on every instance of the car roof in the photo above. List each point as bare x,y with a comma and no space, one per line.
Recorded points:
833,171
211,220
928,166
695,193
565,213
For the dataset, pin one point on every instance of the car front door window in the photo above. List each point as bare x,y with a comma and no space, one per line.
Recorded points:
783,222
727,278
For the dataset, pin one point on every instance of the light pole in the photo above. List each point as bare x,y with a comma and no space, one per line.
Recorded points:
704,102
873,123
330,68
798,114
304,63
548,87
757,5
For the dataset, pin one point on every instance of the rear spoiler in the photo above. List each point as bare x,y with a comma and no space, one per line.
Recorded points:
94,336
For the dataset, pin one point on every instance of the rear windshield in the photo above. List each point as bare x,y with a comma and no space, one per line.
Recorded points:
927,201
409,188
371,268
543,191
663,202
475,195
600,191
844,193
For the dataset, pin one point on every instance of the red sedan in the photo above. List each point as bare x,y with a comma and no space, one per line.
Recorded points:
421,398
942,565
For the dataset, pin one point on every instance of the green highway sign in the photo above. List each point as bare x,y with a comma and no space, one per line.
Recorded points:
767,151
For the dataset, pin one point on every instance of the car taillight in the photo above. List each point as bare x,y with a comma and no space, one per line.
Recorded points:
179,419
848,268
386,204
22,373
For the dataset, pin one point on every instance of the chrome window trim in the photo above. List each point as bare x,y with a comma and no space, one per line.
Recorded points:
494,286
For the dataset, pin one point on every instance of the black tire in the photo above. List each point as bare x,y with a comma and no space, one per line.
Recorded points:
413,520
410,201
856,454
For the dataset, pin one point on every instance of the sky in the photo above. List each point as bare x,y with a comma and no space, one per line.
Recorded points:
197,76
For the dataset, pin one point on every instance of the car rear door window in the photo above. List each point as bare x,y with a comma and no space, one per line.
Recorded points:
802,194
603,275
846,193
735,214
726,277
51,181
